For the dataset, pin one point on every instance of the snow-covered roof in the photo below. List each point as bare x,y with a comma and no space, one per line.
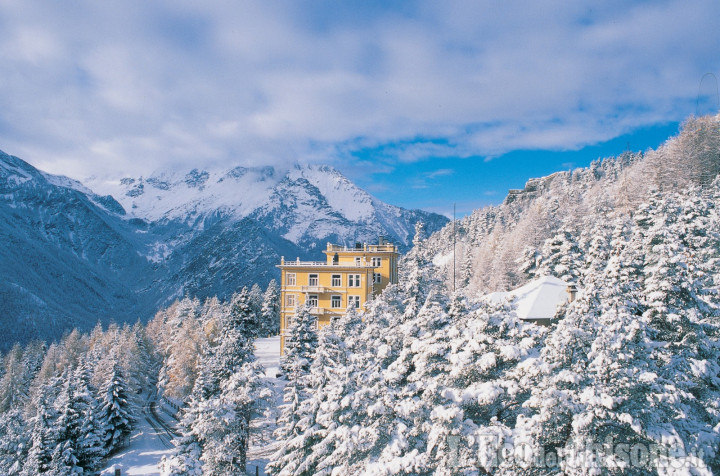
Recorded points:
537,299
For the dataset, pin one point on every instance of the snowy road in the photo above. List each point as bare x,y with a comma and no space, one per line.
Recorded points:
151,439
149,442
165,432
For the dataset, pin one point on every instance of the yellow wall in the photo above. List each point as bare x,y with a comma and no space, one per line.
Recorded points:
325,290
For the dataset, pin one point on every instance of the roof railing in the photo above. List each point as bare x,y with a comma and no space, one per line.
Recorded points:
386,247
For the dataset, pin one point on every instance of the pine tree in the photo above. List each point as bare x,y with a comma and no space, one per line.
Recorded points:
44,436
256,298
12,386
243,313
185,461
270,312
529,263
300,346
90,443
223,423
115,410
300,343
65,454
561,256
14,441
316,416
234,345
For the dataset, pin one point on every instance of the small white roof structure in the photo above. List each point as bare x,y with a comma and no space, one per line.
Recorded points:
536,300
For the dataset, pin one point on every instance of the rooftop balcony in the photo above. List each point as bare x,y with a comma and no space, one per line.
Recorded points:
381,248
313,264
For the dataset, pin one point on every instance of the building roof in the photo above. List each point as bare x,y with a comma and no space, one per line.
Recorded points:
537,299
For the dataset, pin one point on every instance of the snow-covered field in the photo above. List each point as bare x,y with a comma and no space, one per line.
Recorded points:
147,446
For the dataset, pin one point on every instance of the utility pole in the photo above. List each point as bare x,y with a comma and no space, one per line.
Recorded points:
454,240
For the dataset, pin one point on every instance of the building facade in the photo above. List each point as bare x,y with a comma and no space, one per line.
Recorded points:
348,276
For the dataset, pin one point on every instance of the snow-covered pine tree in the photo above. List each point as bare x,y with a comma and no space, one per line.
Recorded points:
216,421
185,460
300,343
270,312
90,443
12,386
244,314
233,346
43,437
561,256
65,454
317,413
417,274
529,263
300,347
222,426
256,299
115,409
14,441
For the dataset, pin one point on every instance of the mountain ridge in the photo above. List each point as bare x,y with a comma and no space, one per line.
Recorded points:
74,257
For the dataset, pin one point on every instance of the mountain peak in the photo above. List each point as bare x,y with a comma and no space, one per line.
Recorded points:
306,195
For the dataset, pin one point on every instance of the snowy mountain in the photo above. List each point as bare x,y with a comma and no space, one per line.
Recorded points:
68,257
76,257
305,205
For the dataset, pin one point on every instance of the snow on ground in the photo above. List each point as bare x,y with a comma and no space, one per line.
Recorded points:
143,453
262,443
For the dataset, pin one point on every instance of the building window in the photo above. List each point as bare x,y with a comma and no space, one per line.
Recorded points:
336,280
312,300
354,301
357,261
377,278
377,262
335,302
313,280
290,279
353,280
290,300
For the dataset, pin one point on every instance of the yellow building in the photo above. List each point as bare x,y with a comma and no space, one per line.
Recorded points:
349,275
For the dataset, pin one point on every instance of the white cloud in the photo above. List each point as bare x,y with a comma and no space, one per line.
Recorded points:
89,87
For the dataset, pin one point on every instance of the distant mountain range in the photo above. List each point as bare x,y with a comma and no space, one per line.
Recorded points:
74,254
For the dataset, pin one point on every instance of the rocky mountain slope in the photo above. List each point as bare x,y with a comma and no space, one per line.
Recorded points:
72,257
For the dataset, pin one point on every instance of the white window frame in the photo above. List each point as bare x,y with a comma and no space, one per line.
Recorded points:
290,279
312,298
377,262
357,261
377,278
336,280
354,299
354,280
313,280
290,300
336,301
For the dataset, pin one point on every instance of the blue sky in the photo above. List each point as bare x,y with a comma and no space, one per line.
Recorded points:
423,103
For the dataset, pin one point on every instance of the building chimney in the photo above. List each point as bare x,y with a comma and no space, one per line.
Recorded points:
572,292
